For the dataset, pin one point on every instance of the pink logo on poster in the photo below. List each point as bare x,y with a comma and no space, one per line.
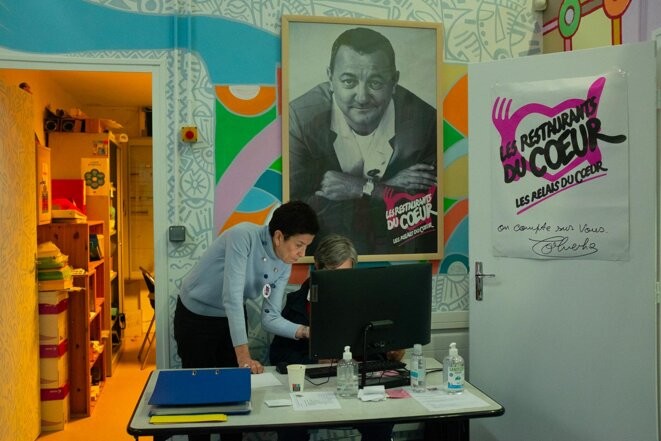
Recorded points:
559,145
410,215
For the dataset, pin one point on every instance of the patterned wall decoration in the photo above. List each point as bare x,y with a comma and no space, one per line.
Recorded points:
572,24
475,30
247,177
223,59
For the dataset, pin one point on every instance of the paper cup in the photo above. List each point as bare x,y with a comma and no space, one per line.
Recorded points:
296,377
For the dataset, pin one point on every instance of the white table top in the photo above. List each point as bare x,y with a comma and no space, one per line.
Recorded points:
352,410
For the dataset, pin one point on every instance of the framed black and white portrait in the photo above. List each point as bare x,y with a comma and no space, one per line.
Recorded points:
362,131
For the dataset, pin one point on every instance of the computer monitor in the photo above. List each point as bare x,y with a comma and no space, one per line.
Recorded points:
371,309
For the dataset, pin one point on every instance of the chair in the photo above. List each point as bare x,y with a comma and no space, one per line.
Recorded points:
149,336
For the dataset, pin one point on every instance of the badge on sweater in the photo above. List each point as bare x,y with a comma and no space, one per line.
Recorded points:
266,291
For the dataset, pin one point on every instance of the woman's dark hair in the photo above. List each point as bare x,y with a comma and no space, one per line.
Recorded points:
294,217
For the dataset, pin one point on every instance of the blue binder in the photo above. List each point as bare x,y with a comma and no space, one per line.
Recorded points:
200,387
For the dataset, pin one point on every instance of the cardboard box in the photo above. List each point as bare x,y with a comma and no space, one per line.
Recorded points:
53,317
95,172
54,408
54,351
93,125
54,372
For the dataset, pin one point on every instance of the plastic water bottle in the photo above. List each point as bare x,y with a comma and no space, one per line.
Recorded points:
418,370
347,375
453,371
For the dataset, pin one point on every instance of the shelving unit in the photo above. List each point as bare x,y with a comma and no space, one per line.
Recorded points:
88,311
67,150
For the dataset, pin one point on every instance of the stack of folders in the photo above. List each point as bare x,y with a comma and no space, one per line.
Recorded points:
199,395
53,270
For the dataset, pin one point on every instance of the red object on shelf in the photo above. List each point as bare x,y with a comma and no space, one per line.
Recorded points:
72,190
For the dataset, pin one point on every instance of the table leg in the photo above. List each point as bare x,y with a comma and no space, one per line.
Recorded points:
447,430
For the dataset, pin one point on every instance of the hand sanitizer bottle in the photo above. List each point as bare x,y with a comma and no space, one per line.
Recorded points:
453,371
418,370
347,375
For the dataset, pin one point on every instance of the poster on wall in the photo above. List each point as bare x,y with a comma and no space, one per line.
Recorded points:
361,133
560,168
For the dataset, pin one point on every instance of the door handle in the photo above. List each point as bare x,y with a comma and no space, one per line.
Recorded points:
479,275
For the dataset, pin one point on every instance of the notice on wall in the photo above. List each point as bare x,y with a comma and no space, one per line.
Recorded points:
560,168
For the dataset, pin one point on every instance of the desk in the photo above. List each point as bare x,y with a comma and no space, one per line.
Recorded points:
447,425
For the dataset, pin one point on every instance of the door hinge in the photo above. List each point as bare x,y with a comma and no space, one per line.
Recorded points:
658,292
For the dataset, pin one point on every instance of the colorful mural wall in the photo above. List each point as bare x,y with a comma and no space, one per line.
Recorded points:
222,74
574,25
223,61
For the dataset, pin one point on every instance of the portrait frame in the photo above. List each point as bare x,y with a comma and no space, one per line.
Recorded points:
404,224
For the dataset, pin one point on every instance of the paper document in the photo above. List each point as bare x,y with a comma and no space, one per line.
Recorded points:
264,380
314,401
439,400
278,403
372,393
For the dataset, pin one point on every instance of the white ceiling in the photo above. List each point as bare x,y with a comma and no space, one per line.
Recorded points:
106,88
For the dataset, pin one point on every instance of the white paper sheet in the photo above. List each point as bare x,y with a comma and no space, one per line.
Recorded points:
438,400
264,380
314,401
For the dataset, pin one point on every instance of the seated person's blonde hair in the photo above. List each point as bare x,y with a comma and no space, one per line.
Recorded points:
333,250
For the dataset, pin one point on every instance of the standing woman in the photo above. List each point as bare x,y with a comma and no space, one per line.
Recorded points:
247,261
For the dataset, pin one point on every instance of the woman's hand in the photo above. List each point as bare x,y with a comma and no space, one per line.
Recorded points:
302,332
245,360
396,355
254,365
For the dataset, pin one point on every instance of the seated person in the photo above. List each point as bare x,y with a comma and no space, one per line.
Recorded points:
333,252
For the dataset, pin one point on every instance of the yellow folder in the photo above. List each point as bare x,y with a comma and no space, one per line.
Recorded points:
194,418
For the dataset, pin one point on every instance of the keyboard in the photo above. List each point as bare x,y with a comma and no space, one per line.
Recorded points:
367,367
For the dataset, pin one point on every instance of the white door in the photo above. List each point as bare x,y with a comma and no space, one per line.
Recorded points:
567,346
19,349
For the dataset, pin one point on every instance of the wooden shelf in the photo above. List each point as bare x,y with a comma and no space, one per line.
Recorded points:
94,264
88,315
93,402
103,284
98,309
94,357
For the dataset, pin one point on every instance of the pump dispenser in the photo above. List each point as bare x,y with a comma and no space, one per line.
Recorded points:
347,375
453,371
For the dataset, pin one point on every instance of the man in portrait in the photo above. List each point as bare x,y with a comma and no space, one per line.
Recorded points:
363,150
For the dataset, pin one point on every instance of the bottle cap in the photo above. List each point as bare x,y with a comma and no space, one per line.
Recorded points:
347,353
453,349
417,348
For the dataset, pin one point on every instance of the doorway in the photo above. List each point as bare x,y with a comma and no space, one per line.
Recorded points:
119,101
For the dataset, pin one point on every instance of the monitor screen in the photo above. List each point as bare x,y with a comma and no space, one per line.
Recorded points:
371,309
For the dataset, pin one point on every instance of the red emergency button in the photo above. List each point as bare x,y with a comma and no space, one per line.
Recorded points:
189,134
